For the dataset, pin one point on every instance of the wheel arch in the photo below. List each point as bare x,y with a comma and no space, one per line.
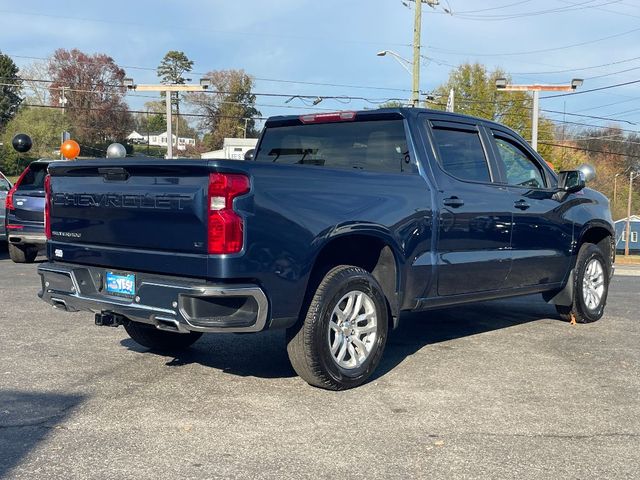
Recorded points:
600,234
373,251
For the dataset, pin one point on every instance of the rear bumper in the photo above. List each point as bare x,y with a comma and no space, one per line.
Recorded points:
169,303
38,239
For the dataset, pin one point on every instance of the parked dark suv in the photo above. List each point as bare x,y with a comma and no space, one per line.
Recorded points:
5,186
25,213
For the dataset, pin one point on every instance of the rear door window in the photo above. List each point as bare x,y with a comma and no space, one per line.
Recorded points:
374,145
34,178
461,153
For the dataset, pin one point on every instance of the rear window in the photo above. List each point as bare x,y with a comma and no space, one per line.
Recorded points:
34,178
376,145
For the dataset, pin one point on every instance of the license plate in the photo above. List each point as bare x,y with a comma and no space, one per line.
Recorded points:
121,284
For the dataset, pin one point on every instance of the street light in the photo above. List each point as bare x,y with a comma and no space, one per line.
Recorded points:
400,59
576,82
503,84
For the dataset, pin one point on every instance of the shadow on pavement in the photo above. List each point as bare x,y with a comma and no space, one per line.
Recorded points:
264,354
260,355
26,418
417,330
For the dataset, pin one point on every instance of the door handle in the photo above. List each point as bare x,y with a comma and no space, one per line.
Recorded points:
453,202
521,204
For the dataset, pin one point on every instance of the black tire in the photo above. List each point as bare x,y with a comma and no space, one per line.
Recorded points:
23,253
308,342
150,337
579,309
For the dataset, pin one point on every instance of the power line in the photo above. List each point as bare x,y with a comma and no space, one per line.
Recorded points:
543,50
259,94
576,69
501,7
173,27
580,92
262,79
196,115
590,150
510,16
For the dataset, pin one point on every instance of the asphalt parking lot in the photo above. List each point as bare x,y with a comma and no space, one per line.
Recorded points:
497,390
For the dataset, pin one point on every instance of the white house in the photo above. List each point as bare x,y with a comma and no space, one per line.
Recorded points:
159,139
634,234
232,148
135,137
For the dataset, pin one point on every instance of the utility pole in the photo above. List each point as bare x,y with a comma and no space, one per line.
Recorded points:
502,84
627,233
205,83
63,98
417,28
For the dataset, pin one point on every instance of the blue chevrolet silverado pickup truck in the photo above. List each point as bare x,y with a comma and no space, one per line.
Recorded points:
337,224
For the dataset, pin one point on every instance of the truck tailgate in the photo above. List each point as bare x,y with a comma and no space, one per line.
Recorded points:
131,204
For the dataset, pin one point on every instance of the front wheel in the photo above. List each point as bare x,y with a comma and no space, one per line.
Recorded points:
150,337
340,341
590,288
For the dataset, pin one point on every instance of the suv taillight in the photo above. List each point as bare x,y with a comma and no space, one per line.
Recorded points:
225,232
47,206
9,200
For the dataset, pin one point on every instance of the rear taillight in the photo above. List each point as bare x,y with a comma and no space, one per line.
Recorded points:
47,206
226,227
9,200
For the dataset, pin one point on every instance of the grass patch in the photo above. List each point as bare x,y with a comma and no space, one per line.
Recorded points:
622,259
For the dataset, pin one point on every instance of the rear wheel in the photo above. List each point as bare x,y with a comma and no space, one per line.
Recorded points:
340,341
23,253
150,337
590,288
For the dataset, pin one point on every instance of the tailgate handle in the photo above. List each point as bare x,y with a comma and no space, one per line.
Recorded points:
114,173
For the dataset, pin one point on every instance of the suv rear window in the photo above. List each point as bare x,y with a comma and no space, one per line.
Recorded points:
375,145
34,178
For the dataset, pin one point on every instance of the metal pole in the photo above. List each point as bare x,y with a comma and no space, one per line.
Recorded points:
534,119
177,122
627,232
415,96
167,98
148,151
615,190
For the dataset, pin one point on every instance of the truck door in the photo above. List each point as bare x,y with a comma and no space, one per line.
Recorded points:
473,244
542,237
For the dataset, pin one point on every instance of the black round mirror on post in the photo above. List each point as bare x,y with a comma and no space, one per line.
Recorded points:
249,154
22,143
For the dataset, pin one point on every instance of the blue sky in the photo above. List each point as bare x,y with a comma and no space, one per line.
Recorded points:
335,42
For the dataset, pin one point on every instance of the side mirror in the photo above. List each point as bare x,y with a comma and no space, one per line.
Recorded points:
571,181
249,154
589,171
